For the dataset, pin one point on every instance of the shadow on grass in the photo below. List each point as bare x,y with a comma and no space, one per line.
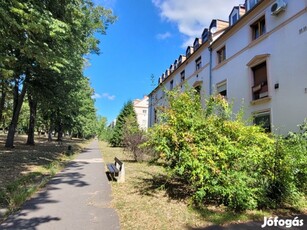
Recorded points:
219,215
175,189
150,184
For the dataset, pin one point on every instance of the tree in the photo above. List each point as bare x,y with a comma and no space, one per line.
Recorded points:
46,36
126,114
103,131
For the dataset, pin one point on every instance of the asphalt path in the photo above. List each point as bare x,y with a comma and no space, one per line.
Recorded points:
77,198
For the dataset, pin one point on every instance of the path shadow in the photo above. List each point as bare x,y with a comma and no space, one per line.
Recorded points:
67,176
30,224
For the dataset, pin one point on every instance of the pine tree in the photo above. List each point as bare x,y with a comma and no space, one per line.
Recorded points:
126,114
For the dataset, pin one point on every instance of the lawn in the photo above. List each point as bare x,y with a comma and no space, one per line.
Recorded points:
25,169
149,200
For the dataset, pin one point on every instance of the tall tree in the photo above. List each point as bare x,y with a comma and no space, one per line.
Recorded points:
126,114
52,35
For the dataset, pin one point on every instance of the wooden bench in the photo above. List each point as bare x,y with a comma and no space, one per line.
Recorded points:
117,170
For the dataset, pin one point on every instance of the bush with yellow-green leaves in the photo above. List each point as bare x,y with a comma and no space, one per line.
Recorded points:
225,160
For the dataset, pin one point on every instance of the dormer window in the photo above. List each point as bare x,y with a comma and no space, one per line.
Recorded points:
167,73
171,68
217,26
205,35
175,64
189,51
197,43
181,59
250,4
234,19
236,13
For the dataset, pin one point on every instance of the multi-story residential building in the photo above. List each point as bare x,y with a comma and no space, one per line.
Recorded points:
141,109
257,60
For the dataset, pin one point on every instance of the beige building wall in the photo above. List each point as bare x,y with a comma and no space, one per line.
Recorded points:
141,109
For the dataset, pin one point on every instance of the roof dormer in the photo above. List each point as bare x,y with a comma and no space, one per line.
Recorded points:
205,35
236,13
163,77
171,68
175,64
249,4
218,26
160,80
197,43
181,59
167,73
189,51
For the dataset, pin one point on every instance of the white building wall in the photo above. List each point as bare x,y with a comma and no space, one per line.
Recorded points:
284,47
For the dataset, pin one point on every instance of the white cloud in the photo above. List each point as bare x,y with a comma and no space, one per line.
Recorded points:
104,95
163,36
96,96
192,16
108,96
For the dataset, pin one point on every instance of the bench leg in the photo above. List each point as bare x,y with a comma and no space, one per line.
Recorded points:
121,175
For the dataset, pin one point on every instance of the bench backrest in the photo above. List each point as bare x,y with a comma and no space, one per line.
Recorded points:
118,163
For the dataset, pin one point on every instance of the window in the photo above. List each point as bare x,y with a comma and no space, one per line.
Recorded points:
198,89
221,54
222,88
264,120
189,51
198,63
205,35
234,19
260,88
258,28
171,84
251,4
182,76
144,111
155,116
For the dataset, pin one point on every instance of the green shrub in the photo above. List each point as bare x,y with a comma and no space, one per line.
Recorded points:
223,159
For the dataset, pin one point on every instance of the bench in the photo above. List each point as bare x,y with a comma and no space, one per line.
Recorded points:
117,170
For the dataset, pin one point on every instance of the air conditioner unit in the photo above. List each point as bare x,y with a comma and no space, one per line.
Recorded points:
278,6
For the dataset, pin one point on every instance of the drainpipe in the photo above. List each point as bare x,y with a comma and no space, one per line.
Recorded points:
210,72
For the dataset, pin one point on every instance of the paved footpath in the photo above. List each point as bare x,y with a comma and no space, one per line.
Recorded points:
76,198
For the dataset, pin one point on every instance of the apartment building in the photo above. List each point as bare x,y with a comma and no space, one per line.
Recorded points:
257,60
141,109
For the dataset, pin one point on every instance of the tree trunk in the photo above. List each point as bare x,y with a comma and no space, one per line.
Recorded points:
50,132
60,131
32,119
2,101
18,100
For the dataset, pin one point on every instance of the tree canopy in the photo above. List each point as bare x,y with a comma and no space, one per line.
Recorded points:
42,50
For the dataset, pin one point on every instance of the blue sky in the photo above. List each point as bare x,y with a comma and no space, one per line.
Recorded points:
145,40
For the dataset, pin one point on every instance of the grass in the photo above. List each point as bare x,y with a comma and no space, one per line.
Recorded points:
25,169
142,201
149,199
